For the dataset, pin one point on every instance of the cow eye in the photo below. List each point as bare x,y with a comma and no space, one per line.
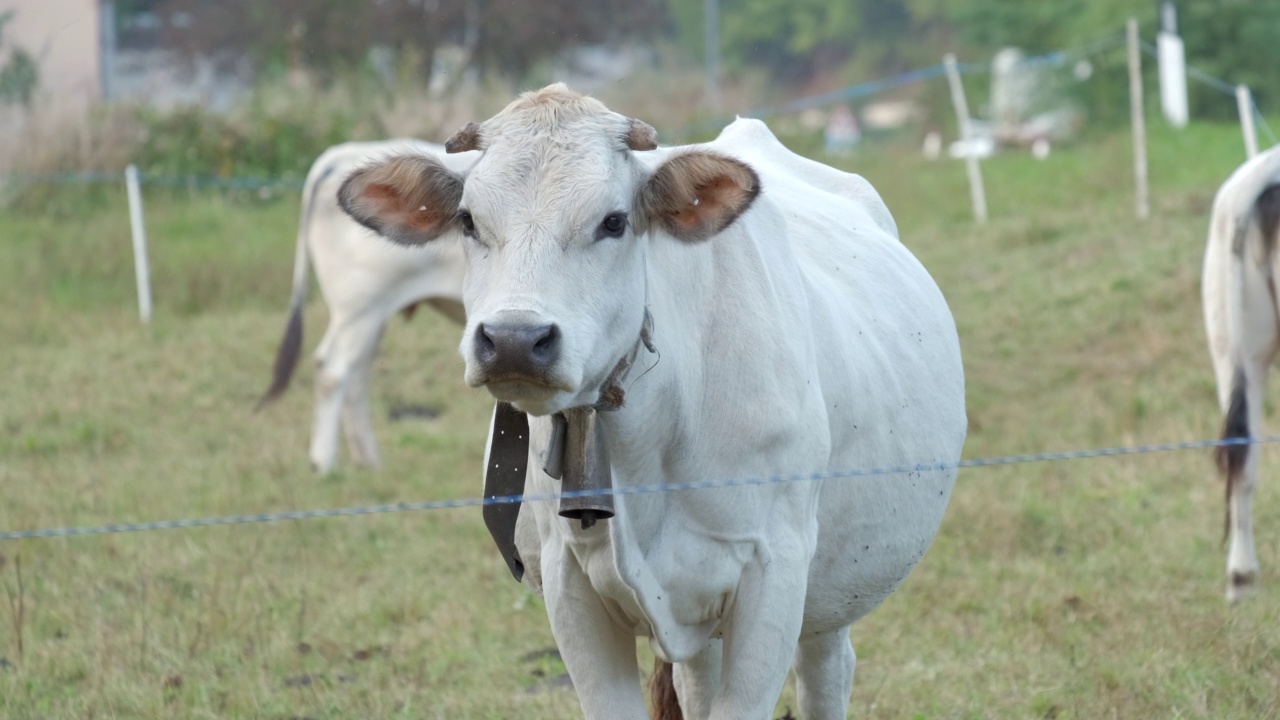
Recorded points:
468,224
613,225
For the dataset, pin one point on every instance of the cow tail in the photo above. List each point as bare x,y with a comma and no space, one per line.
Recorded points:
1235,426
291,344
662,693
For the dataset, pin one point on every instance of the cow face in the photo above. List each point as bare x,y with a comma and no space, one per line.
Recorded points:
556,216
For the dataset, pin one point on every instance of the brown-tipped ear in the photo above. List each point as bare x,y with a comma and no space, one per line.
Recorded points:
697,194
468,138
408,199
641,136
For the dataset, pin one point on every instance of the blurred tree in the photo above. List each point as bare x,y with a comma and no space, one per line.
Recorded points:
1231,39
330,35
784,36
515,34
792,39
1236,41
795,39
19,75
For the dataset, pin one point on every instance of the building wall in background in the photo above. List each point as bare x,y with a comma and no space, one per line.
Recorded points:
64,37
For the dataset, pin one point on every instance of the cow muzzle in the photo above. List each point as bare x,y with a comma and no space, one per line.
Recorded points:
516,349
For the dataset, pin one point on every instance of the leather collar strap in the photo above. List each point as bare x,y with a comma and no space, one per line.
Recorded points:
612,395
504,477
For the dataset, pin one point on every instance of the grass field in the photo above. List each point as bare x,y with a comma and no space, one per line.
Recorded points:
1082,589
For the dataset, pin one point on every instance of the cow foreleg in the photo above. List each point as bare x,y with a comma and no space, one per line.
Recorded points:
357,418
599,653
329,390
824,675
764,624
698,679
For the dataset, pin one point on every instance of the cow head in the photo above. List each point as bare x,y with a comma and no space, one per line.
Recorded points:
557,214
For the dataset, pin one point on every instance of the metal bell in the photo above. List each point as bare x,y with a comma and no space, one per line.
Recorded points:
586,468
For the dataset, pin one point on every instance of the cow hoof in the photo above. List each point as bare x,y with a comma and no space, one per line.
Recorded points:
1241,582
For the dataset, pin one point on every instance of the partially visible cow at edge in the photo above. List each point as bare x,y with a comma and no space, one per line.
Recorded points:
777,326
364,284
1242,319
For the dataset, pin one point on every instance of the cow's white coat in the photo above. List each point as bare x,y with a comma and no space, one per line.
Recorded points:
1241,317
803,338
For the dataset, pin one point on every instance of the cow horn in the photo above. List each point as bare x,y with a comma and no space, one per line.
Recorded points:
641,136
468,138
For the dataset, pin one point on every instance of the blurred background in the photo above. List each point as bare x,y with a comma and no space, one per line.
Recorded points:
1080,589
245,88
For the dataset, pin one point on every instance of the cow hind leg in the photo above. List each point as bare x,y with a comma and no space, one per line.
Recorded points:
1239,465
824,666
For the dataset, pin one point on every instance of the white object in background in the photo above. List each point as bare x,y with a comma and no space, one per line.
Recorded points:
978,147
932,148
1171,57
1172,62
977,193
1040,148
141,270
1244,103
842,132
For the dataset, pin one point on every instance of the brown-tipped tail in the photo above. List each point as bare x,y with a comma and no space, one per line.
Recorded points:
286,357
1235,425
662,693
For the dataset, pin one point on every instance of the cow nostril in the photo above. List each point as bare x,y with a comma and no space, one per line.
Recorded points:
546,342
484,341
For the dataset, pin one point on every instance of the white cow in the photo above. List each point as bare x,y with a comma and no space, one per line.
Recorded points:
1242,318
794,334
364,284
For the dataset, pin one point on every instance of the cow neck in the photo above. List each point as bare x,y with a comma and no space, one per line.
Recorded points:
577,455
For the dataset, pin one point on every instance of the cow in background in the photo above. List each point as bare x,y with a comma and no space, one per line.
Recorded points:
1242,319
364,284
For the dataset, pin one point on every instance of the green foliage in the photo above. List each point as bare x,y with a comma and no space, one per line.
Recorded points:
988,25
330,36
20,75
1235,41
195,141
796,39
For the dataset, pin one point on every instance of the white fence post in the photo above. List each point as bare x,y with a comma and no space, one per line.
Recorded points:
1171,61
141,271
977,193
1139,126
1244,102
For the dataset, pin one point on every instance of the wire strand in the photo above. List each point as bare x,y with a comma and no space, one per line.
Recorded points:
256,518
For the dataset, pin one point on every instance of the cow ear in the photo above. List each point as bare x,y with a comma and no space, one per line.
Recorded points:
697,194
409,199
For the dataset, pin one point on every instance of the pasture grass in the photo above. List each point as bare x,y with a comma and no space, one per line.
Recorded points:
1082,589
